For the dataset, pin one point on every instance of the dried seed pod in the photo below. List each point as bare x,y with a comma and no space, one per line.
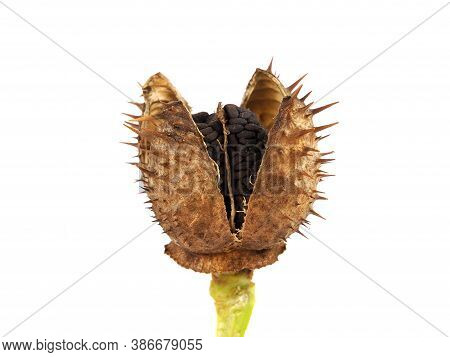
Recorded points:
233,261
180,177
263,96
230,187
286,181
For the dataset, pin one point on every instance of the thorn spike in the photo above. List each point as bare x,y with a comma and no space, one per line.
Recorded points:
318,110
143,118
132,129
293,85
318,138
269,69
323,127
301,233
315,213
326,153
131,115
305,96
295,93
324,161
136,126
131,144
141,106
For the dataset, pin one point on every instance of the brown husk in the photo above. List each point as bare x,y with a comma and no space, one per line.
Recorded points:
181,179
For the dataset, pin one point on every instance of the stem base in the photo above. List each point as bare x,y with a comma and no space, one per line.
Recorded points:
234,297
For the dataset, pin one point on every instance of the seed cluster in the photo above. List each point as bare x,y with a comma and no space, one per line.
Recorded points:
246,142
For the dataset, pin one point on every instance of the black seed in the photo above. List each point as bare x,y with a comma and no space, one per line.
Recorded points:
231,111
246,145
211,117
214,144
206,130
248,141
246,114
200,117
254,120
212,136
216,125
237,121
236,128
261,135
261,147
232,140
253,127
246,134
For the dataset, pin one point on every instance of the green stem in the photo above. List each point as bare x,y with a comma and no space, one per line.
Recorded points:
234,296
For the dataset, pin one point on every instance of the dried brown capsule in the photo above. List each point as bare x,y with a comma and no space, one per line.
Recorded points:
229,188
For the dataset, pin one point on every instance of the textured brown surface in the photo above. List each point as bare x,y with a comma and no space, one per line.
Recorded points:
180,177
228,262
263,96
287,179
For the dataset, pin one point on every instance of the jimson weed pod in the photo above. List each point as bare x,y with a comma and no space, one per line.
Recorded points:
229,187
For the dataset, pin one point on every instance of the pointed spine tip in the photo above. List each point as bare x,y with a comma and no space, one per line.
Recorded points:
318,110
134,125
315,213
132,129
131,115
305,96
131,144
319,138
324,161
326,153
323,127
141,106
269,68
301,233
297,91
293,85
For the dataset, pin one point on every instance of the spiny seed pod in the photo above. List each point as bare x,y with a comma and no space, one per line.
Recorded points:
229,187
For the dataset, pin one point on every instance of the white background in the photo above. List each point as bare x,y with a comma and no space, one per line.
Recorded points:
67,198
